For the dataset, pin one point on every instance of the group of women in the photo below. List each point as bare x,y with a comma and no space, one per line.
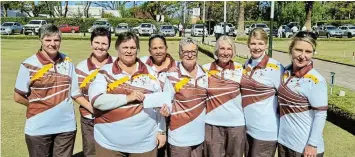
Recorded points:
220,109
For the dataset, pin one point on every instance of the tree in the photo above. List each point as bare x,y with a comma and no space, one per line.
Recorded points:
155,8
86,8
108,5
241,17
66,9
308,8
9,5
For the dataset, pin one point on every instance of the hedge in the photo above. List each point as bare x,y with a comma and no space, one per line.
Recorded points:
245,38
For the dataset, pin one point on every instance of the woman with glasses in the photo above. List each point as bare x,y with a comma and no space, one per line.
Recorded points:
161,62
87,71
259,84
46,84
225,125
303,102
187,86
122,126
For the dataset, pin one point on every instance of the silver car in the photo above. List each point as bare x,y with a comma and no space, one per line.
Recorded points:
101,23
121,28
11,28
348,30
167,30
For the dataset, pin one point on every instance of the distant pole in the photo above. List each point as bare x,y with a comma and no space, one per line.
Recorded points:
270,32
225,17
203,34
353,56
184,18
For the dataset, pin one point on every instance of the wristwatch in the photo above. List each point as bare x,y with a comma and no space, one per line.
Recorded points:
162,132
312,146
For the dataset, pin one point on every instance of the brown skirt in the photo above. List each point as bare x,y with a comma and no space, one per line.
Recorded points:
189,151
103,152
260,148
284,151
224,141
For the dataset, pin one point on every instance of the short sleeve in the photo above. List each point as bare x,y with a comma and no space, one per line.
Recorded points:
22,81
318,95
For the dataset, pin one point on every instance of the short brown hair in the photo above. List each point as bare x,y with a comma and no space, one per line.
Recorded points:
125,37
258,33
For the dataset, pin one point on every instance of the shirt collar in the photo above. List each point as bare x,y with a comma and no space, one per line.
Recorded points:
92,66
46,60
184,72
263,62
301,72
141,67
215,66
171,64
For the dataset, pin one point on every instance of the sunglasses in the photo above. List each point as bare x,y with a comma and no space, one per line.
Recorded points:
303,34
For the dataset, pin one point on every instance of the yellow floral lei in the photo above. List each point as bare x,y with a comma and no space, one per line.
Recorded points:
89,78
117,83
181,84
149,75
42,71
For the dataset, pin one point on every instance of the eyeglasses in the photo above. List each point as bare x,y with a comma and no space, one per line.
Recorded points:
303,34
192,52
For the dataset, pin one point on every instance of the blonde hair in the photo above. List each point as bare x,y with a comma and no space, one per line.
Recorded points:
258,33
306,39
226,39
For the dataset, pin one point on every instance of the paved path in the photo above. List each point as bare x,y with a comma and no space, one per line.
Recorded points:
344,75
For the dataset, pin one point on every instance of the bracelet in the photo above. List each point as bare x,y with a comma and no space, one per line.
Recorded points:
162,132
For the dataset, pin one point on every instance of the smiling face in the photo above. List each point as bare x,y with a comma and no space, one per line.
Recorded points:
225,52
158,50
100,46
51,44
302,54
188,55
257,47
127,52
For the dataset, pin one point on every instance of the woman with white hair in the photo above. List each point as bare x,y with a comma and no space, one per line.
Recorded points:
225,125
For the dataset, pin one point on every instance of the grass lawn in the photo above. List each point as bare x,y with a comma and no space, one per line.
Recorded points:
339,143
328,50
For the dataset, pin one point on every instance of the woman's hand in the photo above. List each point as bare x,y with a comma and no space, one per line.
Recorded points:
164,111
310,151
161,139
135,95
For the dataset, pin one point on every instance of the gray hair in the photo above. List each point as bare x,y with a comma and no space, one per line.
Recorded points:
49,30
226,39
186,41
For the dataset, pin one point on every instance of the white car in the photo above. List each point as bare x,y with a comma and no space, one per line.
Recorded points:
348,30
33,26
147,29
260,25
11,28
197,30
101,23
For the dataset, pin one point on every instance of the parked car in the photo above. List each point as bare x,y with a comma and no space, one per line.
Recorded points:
121,28
147,29
197,30
348,30
11,28
247,29
318,24
260,25
167,30
65,28
329,31
284,32
33,26
274,31
101,23
232,31
135,29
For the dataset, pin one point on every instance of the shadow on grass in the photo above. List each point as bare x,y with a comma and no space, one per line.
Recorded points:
80,154
339,118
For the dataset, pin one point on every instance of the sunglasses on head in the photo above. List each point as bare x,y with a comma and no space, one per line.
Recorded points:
303,34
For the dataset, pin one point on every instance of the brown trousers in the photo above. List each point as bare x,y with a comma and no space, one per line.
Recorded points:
283,151
190,151
87,133
103,152
260,148
224,141
54,145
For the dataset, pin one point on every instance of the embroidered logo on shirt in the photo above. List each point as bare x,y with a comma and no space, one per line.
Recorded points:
312,77
89,78
213,72
273,66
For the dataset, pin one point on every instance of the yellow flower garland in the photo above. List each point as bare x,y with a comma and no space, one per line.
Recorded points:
42,71
213,72
117,83
89,78
181,84
312,77
273,66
